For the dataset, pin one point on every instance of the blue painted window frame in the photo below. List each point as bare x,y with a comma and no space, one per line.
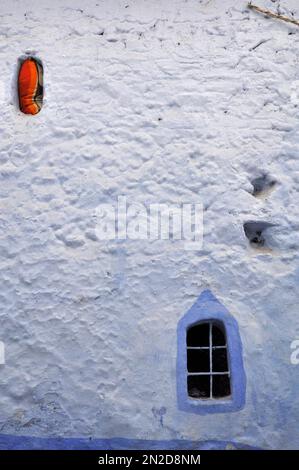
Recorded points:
208,309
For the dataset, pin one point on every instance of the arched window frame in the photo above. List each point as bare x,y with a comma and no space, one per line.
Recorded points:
208,309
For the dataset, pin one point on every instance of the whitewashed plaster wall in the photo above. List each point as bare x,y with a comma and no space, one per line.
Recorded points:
160,101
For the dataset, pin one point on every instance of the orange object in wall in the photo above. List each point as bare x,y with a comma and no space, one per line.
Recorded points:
30,86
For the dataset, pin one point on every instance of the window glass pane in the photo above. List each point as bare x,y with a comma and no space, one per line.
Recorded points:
198,335
218,336
198,360
199,386
219,360
221,386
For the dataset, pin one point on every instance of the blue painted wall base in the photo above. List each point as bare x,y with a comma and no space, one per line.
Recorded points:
8,442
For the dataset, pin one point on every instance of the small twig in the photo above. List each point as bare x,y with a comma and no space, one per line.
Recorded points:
263,41
273,15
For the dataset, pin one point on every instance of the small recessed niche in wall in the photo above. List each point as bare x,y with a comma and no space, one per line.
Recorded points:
262,185
30,85
256,232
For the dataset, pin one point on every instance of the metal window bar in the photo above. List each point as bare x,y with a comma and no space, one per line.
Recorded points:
207,347
211,359
226,372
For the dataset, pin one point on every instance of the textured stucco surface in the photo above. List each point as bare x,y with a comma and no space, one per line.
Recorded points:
161,101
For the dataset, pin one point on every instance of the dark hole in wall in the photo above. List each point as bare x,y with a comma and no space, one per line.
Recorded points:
256,232
262,184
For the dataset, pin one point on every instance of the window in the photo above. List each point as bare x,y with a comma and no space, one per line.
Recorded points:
208,373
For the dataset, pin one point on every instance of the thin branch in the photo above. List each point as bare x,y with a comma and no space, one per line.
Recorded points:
263,41
273,15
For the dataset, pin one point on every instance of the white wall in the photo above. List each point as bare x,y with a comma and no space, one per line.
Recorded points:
90,326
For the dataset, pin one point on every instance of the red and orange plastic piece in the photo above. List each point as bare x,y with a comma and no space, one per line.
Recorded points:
30,86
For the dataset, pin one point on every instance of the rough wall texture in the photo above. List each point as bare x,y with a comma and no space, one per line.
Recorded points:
161,101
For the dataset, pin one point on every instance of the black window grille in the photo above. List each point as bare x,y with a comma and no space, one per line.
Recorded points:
208,374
